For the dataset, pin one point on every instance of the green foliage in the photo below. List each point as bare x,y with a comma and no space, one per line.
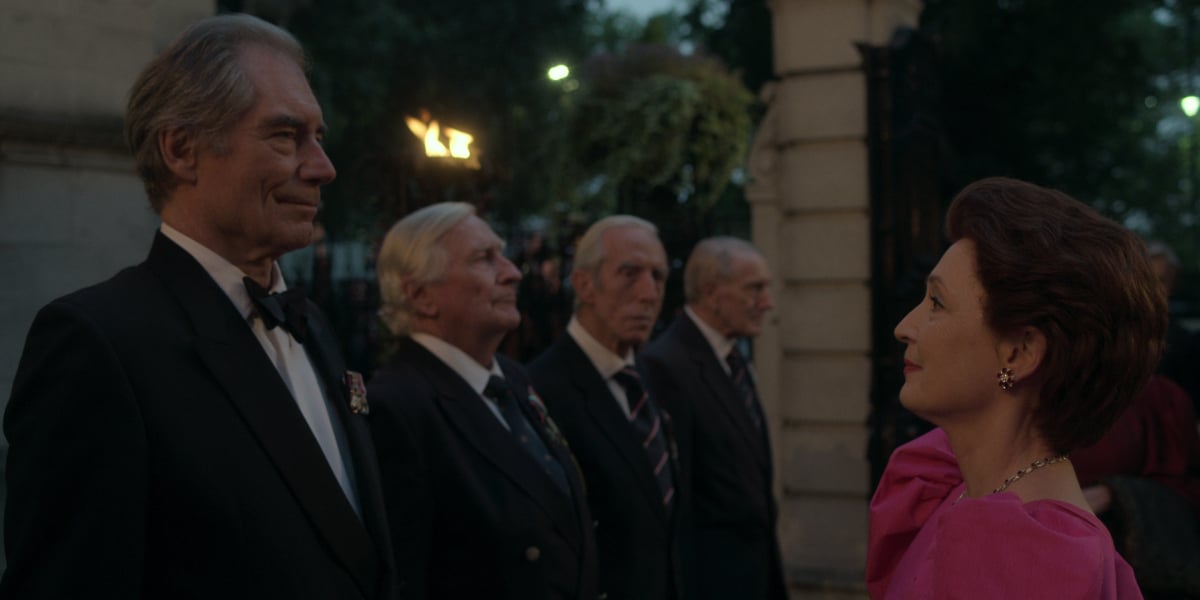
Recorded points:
653,125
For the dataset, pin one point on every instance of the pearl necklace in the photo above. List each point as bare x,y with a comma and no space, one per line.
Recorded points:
1033,466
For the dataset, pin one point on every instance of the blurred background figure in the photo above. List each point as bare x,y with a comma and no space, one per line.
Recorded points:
544,304
699,372
1143,477
1181,360
1143,480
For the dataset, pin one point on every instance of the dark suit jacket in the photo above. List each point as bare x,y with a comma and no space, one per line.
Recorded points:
157,453
473,516
733,551
635,535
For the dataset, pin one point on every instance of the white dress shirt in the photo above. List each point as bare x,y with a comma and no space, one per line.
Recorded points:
605,361
475,374
721,345
288,356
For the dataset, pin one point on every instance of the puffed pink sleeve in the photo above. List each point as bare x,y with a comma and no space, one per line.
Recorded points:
997,548
919,477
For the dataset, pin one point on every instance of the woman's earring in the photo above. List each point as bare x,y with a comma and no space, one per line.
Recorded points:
1005,378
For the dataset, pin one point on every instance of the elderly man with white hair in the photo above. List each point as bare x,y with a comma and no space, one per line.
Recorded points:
484,497
697,368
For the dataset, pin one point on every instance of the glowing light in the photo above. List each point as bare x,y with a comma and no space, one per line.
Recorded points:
457,144
558,72
460,143
1190,105
429,134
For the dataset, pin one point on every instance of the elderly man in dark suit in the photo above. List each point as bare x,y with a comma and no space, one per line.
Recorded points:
619,433
698,370
485,498
178,431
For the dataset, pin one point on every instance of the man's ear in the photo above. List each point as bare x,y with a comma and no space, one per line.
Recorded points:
419,299
178,148
584,286
708,296
1023,352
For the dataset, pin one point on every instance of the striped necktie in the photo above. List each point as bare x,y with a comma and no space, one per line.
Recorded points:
745,387
647,420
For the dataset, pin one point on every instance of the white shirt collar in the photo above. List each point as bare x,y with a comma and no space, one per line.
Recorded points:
605,361
227,276
721,345
475,374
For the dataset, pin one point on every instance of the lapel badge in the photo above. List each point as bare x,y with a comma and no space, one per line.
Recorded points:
538,406
358,393
550,426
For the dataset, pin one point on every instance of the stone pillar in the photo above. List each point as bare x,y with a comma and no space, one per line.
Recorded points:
810,211
72,209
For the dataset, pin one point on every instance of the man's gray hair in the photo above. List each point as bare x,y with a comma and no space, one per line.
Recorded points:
197,83
589,253
711,261
412,252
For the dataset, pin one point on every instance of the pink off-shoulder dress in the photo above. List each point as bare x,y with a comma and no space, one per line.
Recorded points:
924,544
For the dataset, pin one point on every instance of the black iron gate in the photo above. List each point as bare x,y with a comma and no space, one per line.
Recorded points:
909,193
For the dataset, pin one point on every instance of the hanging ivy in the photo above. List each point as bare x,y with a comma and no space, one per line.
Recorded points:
655,125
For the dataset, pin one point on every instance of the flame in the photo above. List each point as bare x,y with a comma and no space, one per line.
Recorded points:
457,145
460,143
428,134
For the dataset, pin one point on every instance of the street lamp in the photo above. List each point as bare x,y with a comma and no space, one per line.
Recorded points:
1190,105
558,72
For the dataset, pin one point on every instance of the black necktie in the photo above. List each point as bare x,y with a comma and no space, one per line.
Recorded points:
524,433
286,309
647,421
745,387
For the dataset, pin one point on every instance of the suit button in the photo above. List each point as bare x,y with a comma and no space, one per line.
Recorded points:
595,524
602,596
532,554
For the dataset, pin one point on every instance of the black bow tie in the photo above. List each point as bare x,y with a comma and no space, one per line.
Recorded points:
286,309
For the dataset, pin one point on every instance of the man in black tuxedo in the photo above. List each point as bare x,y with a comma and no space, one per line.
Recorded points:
484,495
175,431
703,379
619,433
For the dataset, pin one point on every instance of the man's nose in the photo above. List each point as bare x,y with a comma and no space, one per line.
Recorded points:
316,166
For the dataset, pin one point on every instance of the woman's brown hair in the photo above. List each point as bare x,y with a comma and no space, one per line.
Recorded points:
1048,261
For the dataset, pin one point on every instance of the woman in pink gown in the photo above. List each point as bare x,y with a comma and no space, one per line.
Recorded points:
1041,323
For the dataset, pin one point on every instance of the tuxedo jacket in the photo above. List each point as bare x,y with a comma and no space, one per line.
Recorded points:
155,452
636,536
472,514
732,550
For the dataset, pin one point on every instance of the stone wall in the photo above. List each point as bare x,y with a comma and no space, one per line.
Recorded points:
810,202
72,210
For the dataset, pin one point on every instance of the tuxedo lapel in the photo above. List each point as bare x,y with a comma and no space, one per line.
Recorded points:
555,443
466,412
721,386
321,348
227,347
602,408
